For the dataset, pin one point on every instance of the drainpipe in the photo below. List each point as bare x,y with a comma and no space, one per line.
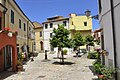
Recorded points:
27,31
4,12
114,36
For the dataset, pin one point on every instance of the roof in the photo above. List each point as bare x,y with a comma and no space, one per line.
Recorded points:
98,30
37,24
22,11
48,21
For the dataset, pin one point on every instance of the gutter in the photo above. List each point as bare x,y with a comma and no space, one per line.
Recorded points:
114,36
4,12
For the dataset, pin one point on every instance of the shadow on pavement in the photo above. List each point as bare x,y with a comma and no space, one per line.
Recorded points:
95,79
57,58
6,74
92,69
77,56
45,60
65,63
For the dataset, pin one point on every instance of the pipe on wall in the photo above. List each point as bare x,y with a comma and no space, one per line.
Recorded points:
114,35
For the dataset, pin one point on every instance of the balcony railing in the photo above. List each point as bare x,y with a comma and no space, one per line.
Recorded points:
31,36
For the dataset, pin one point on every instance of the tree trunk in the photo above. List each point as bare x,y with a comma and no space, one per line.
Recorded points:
59,49
62,56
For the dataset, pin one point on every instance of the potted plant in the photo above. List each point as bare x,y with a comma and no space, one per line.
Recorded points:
108,72
19,65
97,66
19,62
104,52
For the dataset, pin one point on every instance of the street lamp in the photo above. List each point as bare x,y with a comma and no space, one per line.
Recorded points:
88,13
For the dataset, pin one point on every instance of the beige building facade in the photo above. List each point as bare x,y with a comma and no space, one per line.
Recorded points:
39,40
16,20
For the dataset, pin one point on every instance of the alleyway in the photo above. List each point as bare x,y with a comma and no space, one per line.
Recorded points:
39,69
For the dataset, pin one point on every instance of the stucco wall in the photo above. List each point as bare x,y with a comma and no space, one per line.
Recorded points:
22,35
50,30
117,32
77,23
106,23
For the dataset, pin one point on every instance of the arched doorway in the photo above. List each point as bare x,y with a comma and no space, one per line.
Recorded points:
8,52
41,45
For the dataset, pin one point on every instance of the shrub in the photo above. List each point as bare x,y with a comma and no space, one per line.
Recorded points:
97,66
108,72
93,55
65,52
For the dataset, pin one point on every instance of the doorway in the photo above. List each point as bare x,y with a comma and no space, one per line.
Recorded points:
7,57
41,44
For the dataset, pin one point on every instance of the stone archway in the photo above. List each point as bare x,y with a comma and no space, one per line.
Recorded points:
4,41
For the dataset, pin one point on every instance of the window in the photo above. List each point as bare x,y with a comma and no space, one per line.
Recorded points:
12,17
85,23
24,27
19,23
46,26
17,48
100,7
50,34
72,23
64,23
51,25
29,29
40,33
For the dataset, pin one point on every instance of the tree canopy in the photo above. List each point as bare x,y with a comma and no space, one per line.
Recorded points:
60,37
78,40
89,40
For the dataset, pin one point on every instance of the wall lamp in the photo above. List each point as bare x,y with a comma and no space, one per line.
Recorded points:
88,13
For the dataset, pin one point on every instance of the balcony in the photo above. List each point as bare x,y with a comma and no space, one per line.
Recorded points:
31,36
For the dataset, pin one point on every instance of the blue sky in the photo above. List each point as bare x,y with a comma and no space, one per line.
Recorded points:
40,10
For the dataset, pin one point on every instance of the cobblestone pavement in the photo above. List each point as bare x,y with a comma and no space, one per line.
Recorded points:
39,69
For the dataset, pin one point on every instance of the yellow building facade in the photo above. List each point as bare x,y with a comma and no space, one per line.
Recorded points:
39,41
80,23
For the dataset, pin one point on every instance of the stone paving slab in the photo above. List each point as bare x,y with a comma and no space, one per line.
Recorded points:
46,70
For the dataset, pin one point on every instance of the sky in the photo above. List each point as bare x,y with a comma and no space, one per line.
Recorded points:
40,10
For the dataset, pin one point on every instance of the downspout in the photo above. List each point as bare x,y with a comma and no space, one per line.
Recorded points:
27,31
114,36
28,35
4,12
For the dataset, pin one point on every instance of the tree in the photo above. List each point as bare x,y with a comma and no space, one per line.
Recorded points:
60,39
89,40
78,40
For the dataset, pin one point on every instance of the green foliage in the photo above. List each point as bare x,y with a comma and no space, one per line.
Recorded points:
97,42
20,56
65,52
108,72
93,55
97,66
89,40
19,63
60,37
78,40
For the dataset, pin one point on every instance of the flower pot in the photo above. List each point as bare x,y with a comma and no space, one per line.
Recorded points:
19,68
100,76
